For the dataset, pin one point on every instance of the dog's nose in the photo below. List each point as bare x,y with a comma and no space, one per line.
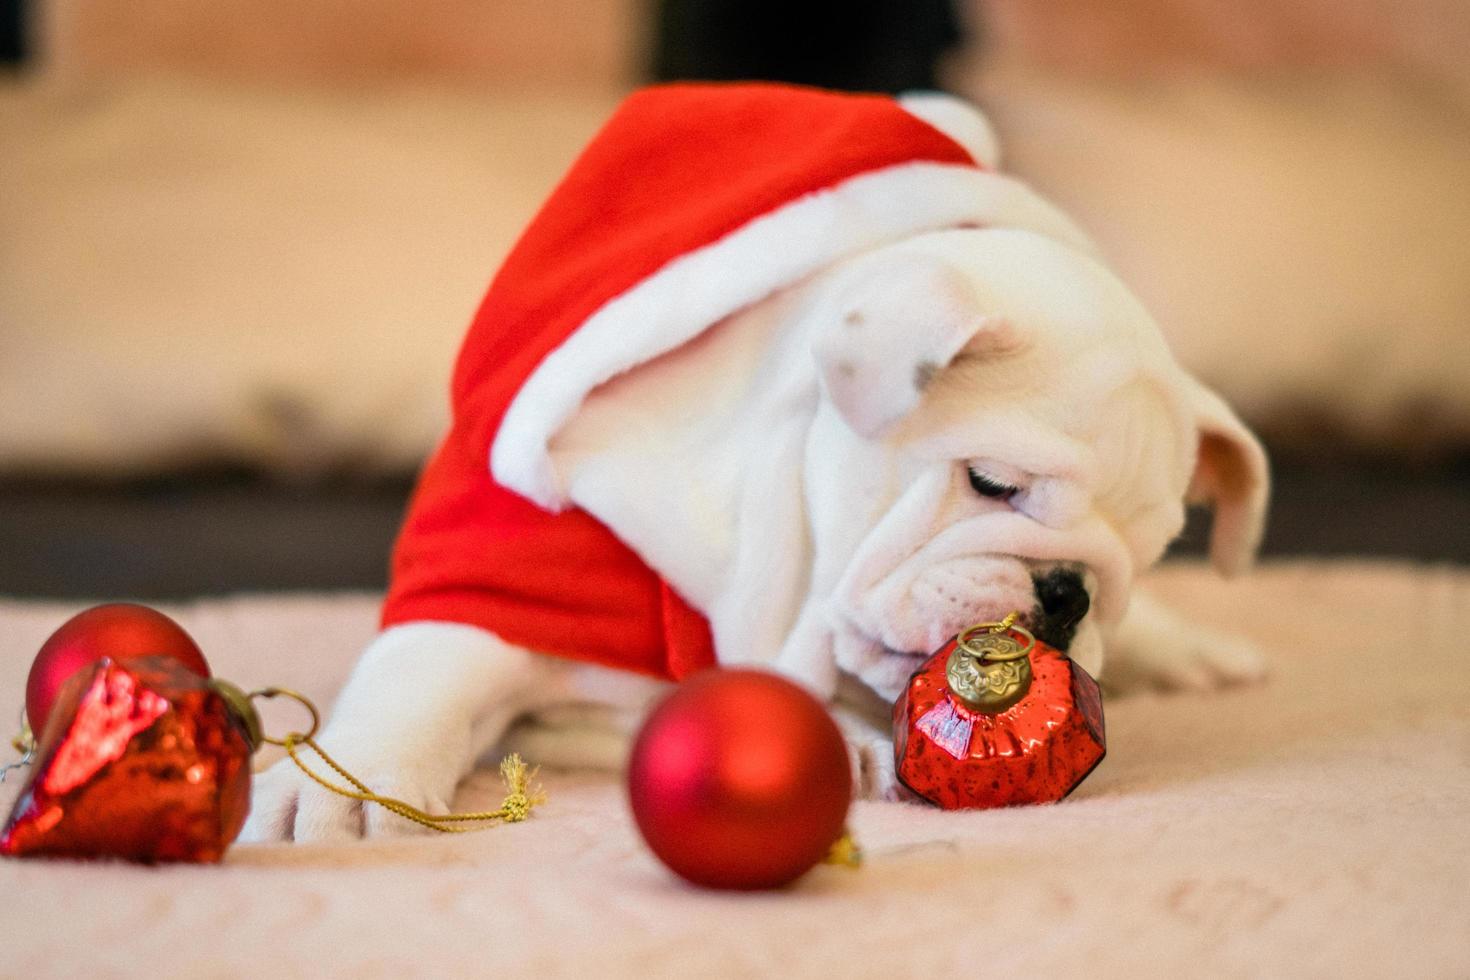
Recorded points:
1063,597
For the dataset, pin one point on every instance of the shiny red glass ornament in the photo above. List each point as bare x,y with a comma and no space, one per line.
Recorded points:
1036,750
142,760
120,631
740,779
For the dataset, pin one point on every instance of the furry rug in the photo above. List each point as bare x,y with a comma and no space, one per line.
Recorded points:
1310,826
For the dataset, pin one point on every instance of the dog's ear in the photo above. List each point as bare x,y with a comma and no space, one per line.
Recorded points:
1231,474
888,331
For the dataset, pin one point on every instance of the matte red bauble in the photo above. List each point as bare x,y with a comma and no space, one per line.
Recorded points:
143,760
995,718
120,631
740,779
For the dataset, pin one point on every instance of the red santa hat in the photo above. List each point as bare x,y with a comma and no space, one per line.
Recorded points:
691,203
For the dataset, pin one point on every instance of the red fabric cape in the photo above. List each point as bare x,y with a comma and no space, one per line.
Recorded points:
676,168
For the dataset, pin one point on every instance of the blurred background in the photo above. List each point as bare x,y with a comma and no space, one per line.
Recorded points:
240,240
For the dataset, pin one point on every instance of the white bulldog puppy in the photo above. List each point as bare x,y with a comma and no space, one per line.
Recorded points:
840,476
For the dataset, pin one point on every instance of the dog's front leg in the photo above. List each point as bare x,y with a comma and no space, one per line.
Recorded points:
1155,648
865,722
423,703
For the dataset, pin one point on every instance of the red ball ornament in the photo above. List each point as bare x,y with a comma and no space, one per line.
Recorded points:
120,631
740,779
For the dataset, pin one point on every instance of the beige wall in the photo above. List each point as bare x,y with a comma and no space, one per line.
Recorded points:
600,41
549,42
1431,37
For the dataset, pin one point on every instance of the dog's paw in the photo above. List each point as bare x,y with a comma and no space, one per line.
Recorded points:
287,805
1157,650
870,752
873,772
424,700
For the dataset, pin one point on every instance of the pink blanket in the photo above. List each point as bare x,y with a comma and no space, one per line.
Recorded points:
1315,825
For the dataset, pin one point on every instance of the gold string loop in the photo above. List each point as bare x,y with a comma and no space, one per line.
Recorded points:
991,652
301,699
989,669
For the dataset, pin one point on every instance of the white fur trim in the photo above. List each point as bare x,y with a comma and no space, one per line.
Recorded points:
700,288
957,119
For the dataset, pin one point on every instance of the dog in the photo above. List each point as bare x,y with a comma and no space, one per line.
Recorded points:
900,440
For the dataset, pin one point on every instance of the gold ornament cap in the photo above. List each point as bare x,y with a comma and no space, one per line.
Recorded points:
243,710
989,669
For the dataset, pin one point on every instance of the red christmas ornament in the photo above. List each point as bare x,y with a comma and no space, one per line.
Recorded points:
148,759
994,719
740,779
144,760
120,631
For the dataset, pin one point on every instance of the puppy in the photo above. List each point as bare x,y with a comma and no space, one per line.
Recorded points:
819,436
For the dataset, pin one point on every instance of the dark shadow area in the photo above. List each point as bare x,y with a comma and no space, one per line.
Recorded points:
13,29
1365,506
202,534
225,531
858,45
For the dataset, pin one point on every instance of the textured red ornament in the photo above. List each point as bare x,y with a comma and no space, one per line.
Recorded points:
740,779
140,760
121,631
1036,751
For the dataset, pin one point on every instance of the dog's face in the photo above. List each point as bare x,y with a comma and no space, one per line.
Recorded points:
936,433
1002,429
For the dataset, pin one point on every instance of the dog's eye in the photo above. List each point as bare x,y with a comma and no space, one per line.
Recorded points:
988,486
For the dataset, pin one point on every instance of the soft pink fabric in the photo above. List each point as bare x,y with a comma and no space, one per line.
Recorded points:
1313,826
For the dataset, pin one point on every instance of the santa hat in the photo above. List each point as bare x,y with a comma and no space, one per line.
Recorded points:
691,203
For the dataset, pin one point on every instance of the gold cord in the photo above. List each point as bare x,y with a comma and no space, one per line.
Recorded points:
517,805
520,798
